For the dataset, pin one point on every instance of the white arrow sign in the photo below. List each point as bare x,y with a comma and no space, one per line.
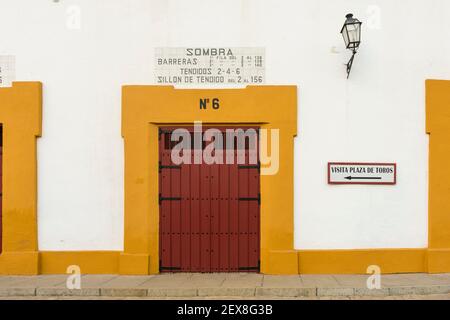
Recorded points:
362,173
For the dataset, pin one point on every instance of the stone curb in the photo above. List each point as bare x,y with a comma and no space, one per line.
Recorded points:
63,292
172,292
231,292
419,290
286,292
263,292
19,292
123,292
373,293
335,292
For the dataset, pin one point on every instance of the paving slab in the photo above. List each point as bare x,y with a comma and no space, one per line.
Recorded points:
346,280
371,292
170,280
437,289
285,292
125,282
235,285
226,291
94,281
38,281
322,281
123,292
6,292
443,279
89,284
419,290
427,279
59,291
240,280
395,280
331,292
172,292
404,297
282,282
5,281
206,280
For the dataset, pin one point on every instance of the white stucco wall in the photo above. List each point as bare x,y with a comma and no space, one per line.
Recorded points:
376,115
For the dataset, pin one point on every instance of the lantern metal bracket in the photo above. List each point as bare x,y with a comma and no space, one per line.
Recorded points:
350,64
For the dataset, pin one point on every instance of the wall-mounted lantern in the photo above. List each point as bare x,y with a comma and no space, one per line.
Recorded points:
351,32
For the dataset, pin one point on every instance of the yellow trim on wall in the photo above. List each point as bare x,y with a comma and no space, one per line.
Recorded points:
147,107
357,261
438,127
20,114
90,262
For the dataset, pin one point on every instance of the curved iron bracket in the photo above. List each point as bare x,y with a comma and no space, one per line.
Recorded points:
350,64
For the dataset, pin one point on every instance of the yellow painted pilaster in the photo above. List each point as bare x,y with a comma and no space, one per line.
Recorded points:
20,114
438,127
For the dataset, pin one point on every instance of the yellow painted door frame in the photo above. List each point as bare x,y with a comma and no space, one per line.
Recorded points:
145,108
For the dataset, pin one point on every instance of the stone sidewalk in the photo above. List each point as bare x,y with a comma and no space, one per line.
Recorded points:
237,285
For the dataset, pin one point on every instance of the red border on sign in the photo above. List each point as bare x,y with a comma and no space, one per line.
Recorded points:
367,164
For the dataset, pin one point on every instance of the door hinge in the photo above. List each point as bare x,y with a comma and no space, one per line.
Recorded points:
248,268
161,132
252,268
255,166
252,199
161,268
161,198
160,166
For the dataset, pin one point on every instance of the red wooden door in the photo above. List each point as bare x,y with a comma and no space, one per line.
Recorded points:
1,193
209,213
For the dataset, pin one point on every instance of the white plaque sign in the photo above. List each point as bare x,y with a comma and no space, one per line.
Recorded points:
362,173
7,70
221,66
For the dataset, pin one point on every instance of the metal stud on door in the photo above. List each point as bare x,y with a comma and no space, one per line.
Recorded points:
209,213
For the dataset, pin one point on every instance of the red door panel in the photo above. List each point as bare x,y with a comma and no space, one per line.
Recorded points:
243,226
185,218
1,194
215,215
233,216
224,218
195,247
205,223
209,214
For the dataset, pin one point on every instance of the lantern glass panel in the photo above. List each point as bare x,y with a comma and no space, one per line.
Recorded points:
354,33
345,36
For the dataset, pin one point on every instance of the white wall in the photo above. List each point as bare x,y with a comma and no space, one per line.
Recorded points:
376,115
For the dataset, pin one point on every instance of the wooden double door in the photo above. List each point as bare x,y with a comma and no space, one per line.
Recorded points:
210,213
